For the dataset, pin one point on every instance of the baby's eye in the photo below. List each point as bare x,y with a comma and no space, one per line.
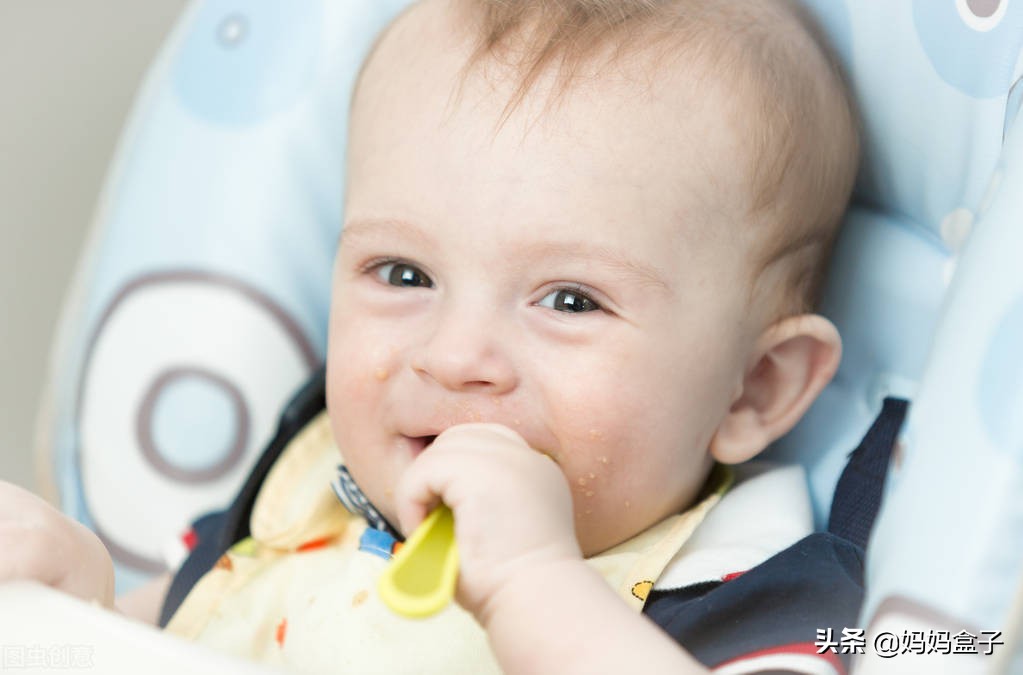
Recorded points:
568,300
402,274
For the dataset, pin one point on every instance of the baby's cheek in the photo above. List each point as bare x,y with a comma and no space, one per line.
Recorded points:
354,394
357,369
593,470
347,388
607,490
589,475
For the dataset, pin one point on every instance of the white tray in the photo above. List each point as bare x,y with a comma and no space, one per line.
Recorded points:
43,631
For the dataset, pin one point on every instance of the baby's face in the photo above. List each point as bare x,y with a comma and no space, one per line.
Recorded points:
566,276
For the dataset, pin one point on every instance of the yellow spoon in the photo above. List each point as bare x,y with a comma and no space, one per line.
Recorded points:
421,579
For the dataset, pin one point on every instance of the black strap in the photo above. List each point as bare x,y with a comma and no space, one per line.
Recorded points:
217,532
858,493
309,402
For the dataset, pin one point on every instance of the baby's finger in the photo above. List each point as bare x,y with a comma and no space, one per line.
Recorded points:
92,578
476,430
19,505
447,471
38,542
420,489
27,553
29,537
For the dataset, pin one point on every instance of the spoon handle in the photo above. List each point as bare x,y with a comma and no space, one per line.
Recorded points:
421,579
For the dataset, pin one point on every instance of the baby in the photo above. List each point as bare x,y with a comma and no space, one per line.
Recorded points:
583,241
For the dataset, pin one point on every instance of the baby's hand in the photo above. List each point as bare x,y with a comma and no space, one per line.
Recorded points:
512,507
38,542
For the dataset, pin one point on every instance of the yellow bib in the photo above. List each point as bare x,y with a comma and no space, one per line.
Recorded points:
300,593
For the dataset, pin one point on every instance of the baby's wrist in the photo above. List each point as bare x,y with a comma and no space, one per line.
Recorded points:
532,584
545,619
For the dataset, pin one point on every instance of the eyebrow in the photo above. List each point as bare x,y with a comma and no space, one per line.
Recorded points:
380,228
608,257
584,251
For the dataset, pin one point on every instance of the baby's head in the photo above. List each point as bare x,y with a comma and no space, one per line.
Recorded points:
601,223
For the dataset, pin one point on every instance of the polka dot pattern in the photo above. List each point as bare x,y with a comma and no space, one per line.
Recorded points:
972,44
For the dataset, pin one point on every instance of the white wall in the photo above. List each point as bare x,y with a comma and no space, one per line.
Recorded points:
68,74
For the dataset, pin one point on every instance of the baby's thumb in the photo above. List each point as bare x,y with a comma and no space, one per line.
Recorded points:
93,578
415,496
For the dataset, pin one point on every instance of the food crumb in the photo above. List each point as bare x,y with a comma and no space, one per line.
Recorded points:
589,493
581,481
360,598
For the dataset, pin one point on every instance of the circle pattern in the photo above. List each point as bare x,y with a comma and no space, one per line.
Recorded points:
184,460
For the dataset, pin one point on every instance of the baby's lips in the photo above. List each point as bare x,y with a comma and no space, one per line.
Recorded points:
420,443
423,436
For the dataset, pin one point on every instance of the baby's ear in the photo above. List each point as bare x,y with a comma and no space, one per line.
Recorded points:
792,361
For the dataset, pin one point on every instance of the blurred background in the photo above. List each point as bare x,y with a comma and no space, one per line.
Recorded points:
68,75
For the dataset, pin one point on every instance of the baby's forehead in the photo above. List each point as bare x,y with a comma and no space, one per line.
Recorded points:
670,87
650,101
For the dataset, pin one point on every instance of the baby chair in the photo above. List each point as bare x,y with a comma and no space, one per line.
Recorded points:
201,301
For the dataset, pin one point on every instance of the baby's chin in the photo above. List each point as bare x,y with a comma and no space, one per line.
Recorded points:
595,537
598,532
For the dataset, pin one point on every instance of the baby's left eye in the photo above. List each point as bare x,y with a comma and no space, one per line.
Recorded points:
568,300
398,273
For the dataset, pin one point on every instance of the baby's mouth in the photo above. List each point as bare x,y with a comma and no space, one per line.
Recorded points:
420,443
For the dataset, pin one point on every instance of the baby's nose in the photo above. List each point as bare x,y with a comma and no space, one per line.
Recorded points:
467,354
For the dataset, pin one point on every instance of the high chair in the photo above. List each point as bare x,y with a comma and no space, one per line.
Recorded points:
201,300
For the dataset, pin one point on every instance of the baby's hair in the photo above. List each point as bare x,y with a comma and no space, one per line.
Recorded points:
803,141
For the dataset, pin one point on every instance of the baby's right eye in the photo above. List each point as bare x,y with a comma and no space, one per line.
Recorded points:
398,273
